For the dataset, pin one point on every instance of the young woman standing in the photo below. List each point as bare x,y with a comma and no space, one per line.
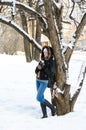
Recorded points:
44,71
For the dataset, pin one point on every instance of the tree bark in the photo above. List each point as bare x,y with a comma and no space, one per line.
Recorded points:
59,99
76,36
54,39
26,45
38,34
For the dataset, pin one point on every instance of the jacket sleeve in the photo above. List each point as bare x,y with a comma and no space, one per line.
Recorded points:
39,67
50,69
52,74
37,70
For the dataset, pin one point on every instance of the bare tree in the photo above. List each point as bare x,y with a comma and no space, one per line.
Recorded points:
62,100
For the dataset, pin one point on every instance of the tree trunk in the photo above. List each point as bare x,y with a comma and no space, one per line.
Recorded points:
38,39
33,35
54,39
26,44
38,35
60,100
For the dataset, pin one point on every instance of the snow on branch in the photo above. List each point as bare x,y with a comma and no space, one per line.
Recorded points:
57,90
82,74
13,9
40,3
20,30
69,49
26,8
78,32
72,41
80,83
76,1
57,4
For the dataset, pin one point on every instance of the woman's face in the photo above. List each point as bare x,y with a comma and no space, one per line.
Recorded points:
45,51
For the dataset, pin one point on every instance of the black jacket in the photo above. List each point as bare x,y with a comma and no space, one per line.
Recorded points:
47,71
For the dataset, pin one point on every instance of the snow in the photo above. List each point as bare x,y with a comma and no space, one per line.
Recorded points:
72,41
77,1
27,8
19,108
40,3
13,8
58,4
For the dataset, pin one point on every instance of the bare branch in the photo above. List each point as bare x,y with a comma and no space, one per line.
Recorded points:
82,74
26,8
70,16
80,83
1,8
74,39
20,30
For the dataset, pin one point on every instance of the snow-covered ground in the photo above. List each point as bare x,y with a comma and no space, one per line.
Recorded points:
19,109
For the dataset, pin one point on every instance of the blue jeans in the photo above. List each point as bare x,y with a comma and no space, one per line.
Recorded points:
41,87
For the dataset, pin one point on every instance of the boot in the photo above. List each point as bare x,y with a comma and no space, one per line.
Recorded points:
48,104
44,111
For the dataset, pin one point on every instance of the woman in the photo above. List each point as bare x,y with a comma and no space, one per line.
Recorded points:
44,71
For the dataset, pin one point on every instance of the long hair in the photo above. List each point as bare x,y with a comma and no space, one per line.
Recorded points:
50,52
